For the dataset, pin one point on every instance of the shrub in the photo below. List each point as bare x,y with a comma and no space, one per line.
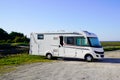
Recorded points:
5,46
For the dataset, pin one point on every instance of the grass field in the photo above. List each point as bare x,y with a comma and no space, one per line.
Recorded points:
7,63
111,45
14,54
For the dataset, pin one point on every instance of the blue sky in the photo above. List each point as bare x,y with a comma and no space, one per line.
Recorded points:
99,16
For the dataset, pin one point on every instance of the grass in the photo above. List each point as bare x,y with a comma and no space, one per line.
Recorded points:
111,45
21,59
111,48
12,54
7,63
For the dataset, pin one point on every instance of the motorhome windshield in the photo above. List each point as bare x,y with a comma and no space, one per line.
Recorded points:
94,42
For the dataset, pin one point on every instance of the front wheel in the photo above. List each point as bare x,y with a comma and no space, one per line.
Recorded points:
89,58
49,56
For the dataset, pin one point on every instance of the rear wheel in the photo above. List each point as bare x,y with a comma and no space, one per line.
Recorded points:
89,58
49,56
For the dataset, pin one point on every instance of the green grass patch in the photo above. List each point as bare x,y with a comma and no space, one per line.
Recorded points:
21,59
111,45
18,59
111,48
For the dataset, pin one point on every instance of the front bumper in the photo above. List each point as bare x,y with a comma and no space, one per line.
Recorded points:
98,55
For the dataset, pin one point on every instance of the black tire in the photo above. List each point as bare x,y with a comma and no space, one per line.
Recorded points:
49,56
88,58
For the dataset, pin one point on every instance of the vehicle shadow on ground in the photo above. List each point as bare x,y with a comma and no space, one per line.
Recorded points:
109,60
105,60
70,59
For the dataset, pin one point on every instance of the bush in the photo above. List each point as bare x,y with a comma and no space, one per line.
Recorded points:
5,46
2,41
9,41
12,37
20,44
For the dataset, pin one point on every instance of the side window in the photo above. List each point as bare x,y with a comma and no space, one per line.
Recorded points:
76,41
40,36
70,40
81,41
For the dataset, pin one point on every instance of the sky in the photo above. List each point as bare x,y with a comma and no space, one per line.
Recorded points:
101,17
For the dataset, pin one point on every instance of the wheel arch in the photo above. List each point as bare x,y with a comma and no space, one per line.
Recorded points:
48,52
88,54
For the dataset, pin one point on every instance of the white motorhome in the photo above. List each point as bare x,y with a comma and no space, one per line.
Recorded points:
84,45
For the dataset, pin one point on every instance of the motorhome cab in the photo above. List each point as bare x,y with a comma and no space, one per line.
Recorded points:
84,45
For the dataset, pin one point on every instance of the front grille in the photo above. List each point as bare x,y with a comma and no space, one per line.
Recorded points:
99,52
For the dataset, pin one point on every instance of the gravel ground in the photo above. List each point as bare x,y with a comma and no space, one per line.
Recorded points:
75,69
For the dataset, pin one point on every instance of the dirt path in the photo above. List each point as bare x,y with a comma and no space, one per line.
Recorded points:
108,69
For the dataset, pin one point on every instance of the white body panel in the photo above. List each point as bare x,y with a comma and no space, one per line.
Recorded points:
43,43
